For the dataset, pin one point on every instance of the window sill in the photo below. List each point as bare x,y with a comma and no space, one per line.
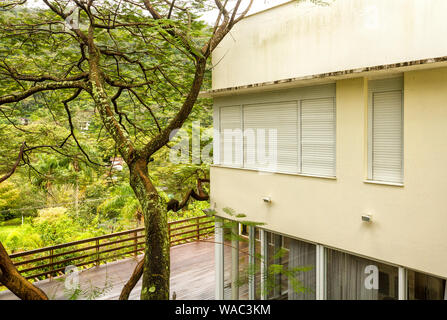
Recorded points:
271,172
393,184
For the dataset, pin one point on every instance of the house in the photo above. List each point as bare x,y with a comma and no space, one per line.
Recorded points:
24,121
331,131
117,163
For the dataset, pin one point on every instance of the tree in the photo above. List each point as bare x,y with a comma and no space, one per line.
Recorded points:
9,275
12,279
139,64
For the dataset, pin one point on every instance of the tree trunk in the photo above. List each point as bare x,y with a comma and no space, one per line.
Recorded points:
136,275
14,281
156,272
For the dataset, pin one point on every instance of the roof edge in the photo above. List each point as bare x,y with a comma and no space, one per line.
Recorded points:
328,76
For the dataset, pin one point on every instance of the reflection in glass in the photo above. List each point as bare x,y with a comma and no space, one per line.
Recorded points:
291,273
424,287
353,278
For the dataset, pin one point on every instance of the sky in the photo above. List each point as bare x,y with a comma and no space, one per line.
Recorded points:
258,5
210,17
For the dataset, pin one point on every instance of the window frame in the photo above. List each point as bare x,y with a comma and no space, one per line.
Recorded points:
296,96
382,86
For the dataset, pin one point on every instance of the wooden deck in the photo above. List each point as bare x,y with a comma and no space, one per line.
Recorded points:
192,276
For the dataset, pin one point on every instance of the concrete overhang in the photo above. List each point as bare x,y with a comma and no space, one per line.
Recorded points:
373,72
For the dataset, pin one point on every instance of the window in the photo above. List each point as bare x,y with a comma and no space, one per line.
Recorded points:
241,261
230,136
271,137
297,262
425,287
318,136
353,278
385,131
290,136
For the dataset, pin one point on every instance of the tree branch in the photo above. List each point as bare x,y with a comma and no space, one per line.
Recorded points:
134,278
175,206
16,97
16,164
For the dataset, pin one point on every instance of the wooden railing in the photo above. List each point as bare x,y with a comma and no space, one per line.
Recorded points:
51,261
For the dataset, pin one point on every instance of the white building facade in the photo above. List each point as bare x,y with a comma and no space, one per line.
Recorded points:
331,141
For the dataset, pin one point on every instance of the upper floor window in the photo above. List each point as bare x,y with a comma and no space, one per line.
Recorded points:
230,131
385,130
290,136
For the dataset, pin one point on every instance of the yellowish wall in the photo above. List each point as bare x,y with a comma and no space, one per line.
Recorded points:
298,39
409,223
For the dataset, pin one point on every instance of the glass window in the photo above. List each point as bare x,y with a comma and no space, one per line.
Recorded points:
424,287
227,259
291,273
353,278
290,266
236,261
243,268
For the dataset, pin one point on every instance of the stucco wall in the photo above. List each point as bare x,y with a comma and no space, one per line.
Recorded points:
409,223
295,40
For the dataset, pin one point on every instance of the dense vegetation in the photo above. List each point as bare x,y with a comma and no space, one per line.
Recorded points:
62,199
58,194
86,81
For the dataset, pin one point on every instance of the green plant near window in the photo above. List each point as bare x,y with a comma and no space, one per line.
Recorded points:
89,292
273,270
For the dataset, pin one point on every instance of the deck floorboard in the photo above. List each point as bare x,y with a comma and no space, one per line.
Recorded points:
192,276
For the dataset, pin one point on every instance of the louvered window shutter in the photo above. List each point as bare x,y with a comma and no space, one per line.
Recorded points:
271,137
387,164
230,136
318,136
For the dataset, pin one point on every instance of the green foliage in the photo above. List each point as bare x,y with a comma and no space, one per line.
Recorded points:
8,195
63,176
122,202
11,222
88,291
52,226
21,238
55,226
274,269
64,195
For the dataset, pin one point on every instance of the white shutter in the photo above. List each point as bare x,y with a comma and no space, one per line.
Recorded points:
387,136
318,137
261,123
230,131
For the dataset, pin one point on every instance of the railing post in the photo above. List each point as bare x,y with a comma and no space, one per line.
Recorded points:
97,253
219,258
235,261
169,233
51,262
198,228
135,234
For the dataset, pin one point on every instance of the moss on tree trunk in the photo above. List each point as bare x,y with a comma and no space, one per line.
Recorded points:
157,248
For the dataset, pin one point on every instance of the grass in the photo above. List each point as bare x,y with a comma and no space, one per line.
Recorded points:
6,227
11,222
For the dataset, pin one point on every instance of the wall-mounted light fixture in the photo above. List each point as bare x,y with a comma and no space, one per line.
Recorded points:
367,218
267,199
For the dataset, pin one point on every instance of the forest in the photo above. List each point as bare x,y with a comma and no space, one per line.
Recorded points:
92,96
